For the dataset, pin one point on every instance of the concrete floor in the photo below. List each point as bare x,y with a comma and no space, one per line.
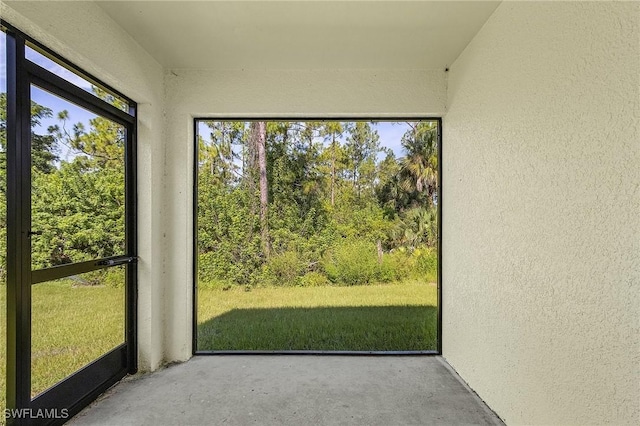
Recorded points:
293,390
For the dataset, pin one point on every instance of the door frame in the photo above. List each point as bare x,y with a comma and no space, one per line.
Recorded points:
82,387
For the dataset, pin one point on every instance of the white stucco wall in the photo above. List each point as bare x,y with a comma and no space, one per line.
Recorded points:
541,206
259,93
112,56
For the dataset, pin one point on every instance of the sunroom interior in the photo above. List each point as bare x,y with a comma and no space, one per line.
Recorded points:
539,102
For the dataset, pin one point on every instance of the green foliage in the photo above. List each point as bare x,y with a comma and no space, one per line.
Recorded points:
228,235
426,263
352,262
42,145
43,156
80,213
355,262
396,266
330,202
77,204
284,269
361,149
418,175
114,278
415,227
214,284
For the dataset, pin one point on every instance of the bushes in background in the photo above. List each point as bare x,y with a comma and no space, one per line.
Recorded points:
352,262
284,269
339,208
426,263
348,262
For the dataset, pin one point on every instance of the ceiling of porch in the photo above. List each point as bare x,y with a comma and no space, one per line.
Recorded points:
302,35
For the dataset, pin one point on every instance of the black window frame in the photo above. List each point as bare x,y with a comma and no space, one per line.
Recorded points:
82,387
194,266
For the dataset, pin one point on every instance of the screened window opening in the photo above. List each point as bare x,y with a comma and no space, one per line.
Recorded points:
317,235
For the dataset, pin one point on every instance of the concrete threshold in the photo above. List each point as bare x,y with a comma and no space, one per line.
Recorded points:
293,390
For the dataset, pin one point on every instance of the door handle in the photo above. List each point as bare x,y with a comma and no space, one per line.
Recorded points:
114,262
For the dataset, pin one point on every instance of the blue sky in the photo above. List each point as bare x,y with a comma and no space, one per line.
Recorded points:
76,114
391,134
53,102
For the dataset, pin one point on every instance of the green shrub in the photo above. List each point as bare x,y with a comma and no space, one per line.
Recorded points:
395,266
426,263
284,269
386,272
219,265
207,267
355,261
352,262
114,277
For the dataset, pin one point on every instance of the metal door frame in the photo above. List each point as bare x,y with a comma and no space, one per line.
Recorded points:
79,389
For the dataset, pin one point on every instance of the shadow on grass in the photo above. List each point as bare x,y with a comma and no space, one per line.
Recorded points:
371,328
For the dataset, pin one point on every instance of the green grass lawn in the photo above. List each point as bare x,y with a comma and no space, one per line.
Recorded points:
386,317
72,326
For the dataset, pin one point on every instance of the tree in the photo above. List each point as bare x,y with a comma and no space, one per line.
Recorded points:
257,139
390,195
419,172
43,155
361,150
101,147
79,205
43,160
304,189
307,153
217,154
416,227
80,213
332,131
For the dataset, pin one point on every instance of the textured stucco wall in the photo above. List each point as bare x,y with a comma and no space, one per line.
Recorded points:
255,93
112,56
541,213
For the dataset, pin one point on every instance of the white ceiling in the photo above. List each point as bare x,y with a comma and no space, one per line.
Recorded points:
304,34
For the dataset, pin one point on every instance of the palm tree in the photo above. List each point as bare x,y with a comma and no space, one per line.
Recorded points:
416,227
419,167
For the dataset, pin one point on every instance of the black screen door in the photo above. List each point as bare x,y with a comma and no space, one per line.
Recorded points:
71,249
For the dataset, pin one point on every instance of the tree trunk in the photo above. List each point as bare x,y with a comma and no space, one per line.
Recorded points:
380,252
252,156
259,135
